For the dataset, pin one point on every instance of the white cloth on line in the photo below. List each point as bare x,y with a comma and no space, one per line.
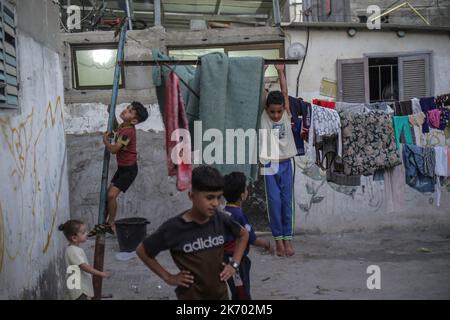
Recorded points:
441,166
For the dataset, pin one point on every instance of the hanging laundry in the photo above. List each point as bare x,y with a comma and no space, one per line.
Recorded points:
161,73
443,100
379,106
415,104
175,118
324,103
427,104
301,119
445,117
306,115
230,98
434,118
403,108
394,188
401,124
350,107
416,121
448,161
419,167
441,166
325,122
326,151
335,174
367,142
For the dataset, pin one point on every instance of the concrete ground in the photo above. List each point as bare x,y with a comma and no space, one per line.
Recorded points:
413,265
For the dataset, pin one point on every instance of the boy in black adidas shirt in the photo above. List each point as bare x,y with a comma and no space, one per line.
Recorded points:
196,240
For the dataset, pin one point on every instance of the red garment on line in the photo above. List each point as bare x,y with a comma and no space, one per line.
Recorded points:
324,103
175,118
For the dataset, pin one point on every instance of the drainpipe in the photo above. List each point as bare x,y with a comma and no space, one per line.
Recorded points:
130,24
157,12
276,12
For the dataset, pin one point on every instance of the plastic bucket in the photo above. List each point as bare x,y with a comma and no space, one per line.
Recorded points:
130,232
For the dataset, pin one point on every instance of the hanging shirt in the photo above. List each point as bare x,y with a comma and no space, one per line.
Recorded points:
427,104
325,122
441,165
324,103
297,110
175,119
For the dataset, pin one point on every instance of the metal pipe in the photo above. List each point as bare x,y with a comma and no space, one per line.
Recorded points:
379,84
130,24
276,12
392,82
398,7
157,12
194,62
99,253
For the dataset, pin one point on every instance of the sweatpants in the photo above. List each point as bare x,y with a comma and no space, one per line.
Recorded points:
280,200
401,123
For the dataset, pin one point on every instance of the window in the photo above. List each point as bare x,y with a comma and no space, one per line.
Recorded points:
267,51
385,77
8,58
94,65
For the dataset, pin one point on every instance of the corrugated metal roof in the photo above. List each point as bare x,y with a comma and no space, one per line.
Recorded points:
179,13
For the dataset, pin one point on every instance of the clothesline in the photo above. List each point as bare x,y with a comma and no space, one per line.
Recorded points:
193,62
313,101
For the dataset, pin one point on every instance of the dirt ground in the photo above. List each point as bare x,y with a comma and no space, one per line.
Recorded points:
414,264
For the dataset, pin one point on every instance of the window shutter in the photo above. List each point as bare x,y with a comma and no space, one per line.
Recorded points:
414,76
8,57
353,80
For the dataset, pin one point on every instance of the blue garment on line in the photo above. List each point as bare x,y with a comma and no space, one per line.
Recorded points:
427,104
296,111
418,169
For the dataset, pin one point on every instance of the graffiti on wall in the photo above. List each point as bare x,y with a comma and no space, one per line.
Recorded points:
2,235
28,146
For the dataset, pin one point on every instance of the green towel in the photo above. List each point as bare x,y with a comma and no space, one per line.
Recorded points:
160,73
230,98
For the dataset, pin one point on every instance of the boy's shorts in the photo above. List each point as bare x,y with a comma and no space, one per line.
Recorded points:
124,177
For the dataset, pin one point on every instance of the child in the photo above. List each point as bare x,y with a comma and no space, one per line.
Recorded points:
125,150
279,184
75,233
235,192
196,240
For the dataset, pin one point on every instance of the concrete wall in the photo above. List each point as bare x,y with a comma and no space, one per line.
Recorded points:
368,206
436,12
34,189
326,46
319,206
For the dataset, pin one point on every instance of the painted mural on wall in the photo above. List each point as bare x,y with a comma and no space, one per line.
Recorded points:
370,196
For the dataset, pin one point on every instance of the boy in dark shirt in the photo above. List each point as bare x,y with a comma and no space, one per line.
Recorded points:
235,192
196,240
